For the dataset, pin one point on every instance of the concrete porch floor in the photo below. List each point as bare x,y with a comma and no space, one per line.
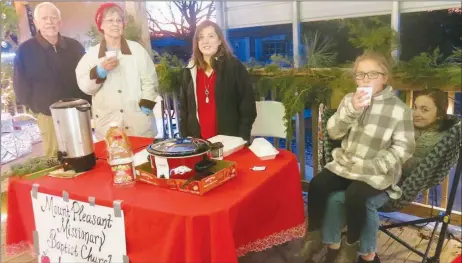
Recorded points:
389,250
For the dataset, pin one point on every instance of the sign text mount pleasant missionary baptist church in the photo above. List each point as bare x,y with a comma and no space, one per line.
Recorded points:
73,231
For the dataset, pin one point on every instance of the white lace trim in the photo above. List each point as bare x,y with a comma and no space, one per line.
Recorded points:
272,240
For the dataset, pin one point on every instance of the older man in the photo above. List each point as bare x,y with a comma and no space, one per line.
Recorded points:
44,71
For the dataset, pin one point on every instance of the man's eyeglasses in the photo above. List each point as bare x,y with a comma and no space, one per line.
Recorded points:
370,75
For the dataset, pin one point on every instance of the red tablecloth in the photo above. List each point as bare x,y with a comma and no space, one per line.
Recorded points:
252,212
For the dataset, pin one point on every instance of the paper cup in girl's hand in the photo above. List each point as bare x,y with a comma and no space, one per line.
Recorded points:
111,54
367,90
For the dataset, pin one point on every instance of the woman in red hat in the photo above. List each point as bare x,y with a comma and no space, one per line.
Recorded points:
121,77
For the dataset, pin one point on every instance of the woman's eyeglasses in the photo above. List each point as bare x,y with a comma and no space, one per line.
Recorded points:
112,21
370,75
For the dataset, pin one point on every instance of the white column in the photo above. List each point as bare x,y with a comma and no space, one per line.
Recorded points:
395,25
296,32
300,119
221,16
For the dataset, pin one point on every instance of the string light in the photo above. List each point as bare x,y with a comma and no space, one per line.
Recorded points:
8,55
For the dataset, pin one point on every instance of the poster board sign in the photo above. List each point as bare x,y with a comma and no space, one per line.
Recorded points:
72,231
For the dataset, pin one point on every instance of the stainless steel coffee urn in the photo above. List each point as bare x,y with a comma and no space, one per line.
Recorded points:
71,119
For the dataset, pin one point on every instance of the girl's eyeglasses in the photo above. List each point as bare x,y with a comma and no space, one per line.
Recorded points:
370,75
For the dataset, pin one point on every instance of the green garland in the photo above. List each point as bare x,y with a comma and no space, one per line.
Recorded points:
169,74
31,166
300,88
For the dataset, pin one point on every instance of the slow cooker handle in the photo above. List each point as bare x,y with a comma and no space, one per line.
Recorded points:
203,165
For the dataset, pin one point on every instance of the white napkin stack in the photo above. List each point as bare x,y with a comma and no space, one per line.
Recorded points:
140,157
263,149
231,144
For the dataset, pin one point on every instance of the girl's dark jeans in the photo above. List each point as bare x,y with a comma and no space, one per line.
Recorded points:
356,195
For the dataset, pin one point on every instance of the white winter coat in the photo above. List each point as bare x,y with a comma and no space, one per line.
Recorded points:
117,98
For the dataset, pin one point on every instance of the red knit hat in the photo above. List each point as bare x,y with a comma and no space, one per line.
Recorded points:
100,12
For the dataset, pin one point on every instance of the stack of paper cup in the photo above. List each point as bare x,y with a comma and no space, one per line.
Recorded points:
368,90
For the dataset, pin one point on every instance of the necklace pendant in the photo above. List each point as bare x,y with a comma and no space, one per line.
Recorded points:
207,100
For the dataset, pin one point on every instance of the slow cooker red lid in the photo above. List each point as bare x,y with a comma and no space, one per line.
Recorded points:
179,147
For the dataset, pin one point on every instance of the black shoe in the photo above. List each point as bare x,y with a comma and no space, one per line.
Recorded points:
331,255
312,244
348,253
376,260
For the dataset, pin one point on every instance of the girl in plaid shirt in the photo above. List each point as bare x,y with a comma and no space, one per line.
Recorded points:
377,136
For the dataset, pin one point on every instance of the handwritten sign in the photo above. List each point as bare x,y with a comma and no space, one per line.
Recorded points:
74,231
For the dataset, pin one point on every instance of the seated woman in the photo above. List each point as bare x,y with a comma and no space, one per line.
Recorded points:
217,95
430,126
377,136
120,76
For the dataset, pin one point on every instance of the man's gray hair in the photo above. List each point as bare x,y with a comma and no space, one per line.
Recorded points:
36,10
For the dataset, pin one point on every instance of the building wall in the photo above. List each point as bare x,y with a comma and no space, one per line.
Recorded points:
252,24
262,13
259,43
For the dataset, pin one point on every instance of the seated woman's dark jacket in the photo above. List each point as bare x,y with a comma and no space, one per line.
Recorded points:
426,139
425,142
234,97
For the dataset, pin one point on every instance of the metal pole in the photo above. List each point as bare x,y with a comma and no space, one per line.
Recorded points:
447,213
296,32
395,25
219,14
168,112
222,18
299,120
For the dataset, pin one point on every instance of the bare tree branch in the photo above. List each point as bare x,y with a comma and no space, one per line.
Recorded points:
173,22
182,18
210,8
155,27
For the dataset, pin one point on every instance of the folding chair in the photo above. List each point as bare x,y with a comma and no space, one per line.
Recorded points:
270,121
429,173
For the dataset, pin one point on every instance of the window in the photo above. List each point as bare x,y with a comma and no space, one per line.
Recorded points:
274,47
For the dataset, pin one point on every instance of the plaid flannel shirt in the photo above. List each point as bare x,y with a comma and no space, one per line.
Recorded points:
376,141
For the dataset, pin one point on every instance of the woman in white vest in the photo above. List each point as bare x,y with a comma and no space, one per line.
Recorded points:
121,77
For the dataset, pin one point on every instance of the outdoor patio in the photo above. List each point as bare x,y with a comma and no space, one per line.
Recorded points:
389,250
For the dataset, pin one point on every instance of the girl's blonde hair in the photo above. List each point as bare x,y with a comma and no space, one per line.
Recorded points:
377,57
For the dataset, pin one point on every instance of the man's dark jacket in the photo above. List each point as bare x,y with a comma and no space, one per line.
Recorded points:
44,74
234,96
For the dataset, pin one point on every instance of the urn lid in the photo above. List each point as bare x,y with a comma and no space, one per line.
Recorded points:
69,103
